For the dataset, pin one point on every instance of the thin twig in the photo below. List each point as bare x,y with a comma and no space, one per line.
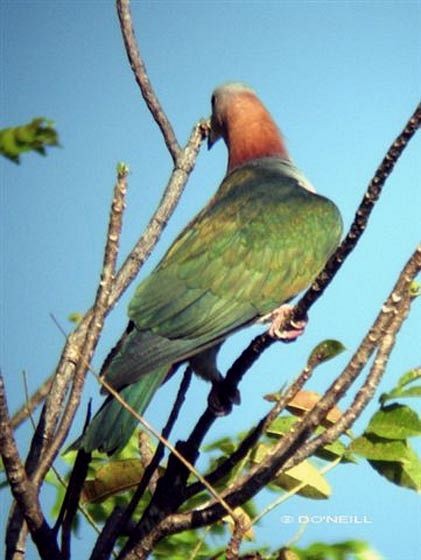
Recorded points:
200,543
139,69
25,386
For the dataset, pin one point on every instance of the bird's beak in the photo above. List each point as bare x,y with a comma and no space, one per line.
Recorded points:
214,133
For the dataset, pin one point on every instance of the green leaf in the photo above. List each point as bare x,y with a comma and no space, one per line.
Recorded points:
406,474
112,478
409,377
400,391
260,452
325,351
281,425
395,421
393,459
304,401
316,486
34,136
334,450
376,448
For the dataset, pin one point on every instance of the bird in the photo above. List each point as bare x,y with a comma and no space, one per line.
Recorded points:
260,240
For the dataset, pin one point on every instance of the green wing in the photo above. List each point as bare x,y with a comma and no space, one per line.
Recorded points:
259,242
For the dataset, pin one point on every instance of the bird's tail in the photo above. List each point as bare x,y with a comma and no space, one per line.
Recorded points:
112,425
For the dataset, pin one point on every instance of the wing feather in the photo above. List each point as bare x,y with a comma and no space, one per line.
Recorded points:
260,241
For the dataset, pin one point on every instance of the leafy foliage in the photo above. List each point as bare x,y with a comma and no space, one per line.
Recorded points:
34,136
385,441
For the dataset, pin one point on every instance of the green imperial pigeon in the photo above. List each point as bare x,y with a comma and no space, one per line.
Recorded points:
261,239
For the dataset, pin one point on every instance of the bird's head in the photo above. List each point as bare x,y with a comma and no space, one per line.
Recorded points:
241,119
223,98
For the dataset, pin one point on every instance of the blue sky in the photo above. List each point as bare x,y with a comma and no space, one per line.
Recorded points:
340,79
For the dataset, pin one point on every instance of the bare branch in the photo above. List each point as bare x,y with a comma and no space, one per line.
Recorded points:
73,363
142,79
95,326
24,492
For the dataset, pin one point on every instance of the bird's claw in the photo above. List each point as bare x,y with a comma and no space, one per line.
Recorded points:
277,330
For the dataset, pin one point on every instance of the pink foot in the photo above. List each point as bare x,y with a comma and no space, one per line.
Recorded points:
277,318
